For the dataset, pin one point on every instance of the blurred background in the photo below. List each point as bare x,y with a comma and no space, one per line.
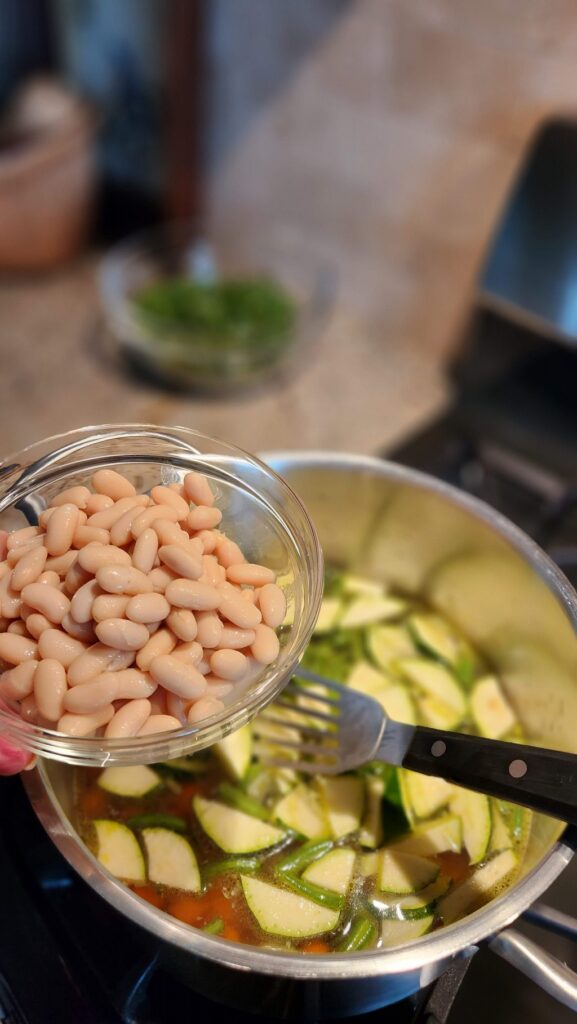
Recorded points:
346,162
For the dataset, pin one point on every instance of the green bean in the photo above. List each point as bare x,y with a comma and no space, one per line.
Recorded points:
215,926
362,933
170,821
236,797
243,865
300,858
324,897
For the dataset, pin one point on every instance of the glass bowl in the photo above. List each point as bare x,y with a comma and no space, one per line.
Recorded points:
229,351
260,512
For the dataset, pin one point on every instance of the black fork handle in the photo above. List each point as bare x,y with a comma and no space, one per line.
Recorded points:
544,780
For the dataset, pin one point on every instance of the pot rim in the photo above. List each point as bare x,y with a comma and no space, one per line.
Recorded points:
444,943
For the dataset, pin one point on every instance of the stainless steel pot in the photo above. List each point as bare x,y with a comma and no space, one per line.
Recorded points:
420,535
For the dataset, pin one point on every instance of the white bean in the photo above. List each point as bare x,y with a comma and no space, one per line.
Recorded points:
107,517
159,723
98,658
29,568
128,720
178,677
83,700
160,577
184,593
145,551
97,503
182,623
249,574
187,563
121,531
123,579
83,600
85,725
170,533
122,634
78,496
79,630
265,647
15,649
53,643
109,606
197,489
238,611
84,535
75,578
229,553
113,484
147,518
209,629
147,608
18,683
94,556
236,639
50,688
165,496
163,642
47,600
272,603
203,517
132,683
204,708
229,664
36,624
17,554
189,652
60,529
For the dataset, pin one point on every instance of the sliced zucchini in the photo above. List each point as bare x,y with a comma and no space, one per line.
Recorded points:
474,810
493,715
184,767
479,888
371,831
329,615
424,795
279,912
359,585
501,838
270,783
397,933
117,850
157,820
234,831
404,873
366,679
343,800
171,859
302,811
369,609
235,751
433,635
397,703
369,864
435,681
387,643
133,781
436,714
334,871
445,833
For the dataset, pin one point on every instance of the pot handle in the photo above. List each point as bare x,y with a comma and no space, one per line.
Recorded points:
545,970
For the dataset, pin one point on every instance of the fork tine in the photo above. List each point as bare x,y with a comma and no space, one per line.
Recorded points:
306,767
304,729
304,748
332,719
293,690
314,677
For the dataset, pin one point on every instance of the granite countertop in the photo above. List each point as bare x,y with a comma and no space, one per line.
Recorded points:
362,389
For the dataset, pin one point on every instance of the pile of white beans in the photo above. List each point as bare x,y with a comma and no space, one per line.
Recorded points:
126,614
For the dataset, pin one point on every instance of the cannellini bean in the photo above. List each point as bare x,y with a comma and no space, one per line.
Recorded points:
47,600
29,568
166,496
61,563
83,600
159,723
203,518
204,708
131,684
28,709
78,496
163,642
18,627
177,707
147,608
10,601
160,577
17,683
109,606
49,577
123,579
83,700
145,551
197,489
182,623
128,720
107,517
185,593
204,666
36,624
229,553
50,688
187,563
98,658
209,539
94,556
54,643
158,702
16,555
249,574
233,607
209,628
15,649
216,687
113,484
22,537
272,603
97,503
236,639
229,664
4,567
75,578
177,676
266,645
79,630
84,535
85,725
149,515
122,634
121,531
60,529
170,533
190,652
212,572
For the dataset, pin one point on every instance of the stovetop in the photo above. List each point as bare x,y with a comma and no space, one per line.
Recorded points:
67,957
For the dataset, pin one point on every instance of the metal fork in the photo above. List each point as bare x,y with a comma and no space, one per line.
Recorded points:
327,728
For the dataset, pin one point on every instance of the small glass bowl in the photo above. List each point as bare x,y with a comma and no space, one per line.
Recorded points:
189,361
260,512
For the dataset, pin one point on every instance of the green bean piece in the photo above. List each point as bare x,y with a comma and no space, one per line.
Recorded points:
242,865
215,926
362,934
324,897
300,858
236,797
159,820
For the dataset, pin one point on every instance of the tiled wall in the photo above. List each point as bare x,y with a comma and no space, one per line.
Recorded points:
385,132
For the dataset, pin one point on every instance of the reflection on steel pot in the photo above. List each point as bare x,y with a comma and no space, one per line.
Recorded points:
425,538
